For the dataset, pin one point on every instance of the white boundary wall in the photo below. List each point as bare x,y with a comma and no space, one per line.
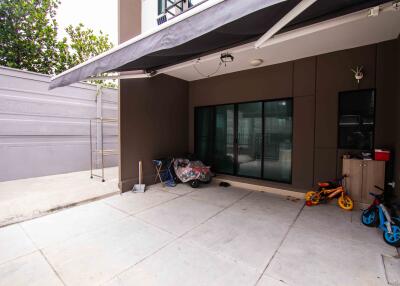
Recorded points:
46,132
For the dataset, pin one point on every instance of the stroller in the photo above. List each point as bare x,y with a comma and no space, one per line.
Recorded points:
192,172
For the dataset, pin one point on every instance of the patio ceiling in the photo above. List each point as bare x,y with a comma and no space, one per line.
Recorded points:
350,34
208,31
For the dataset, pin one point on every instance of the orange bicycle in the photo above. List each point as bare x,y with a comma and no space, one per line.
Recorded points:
329,190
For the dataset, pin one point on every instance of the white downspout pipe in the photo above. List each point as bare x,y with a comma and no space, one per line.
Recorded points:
302,6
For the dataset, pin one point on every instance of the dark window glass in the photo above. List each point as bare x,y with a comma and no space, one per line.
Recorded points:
204,134
356,119
224,147
161,7
278,140
249,139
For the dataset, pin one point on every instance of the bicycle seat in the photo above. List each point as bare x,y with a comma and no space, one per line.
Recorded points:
323,184
328,185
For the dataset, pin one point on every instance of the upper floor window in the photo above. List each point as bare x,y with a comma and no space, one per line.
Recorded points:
161,7
163,3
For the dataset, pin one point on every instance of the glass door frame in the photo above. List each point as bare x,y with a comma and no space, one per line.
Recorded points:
235,136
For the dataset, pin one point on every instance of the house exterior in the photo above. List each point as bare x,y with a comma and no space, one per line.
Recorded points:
278,115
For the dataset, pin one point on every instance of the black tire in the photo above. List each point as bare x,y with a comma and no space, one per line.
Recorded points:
394,239
370,217
194,184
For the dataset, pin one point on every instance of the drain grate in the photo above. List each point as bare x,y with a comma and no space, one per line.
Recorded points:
392,269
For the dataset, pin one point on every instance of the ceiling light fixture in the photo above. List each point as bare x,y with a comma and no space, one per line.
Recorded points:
226,58
256,62
373,12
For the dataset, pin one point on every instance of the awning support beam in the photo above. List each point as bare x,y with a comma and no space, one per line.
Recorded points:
301,7
123,76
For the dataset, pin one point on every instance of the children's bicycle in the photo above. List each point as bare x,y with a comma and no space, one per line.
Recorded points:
329,190
377,215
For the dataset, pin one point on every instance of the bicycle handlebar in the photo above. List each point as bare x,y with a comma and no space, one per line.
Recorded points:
379,188
376,196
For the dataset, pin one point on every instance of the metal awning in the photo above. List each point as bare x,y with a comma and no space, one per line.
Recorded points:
212,28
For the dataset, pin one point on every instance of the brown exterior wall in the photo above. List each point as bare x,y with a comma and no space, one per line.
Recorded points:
129,15
386,111
154,124
304,77
397,173
334,75
153,113
129,25
314,84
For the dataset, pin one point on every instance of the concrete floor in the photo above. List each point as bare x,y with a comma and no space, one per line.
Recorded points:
181,236
28,198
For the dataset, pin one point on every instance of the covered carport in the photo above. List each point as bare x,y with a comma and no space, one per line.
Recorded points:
297,40
235,235
227,236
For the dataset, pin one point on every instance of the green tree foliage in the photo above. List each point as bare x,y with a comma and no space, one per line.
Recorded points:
28,39
28,34
81,45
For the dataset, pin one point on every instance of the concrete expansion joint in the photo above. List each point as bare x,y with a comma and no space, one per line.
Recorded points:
52,268
17,257
38,249
281,243
153,225
180,236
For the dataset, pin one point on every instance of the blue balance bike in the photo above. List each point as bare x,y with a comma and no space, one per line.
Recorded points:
377,215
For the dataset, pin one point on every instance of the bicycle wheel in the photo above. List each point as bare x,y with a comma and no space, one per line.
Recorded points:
309,195
345,202
369,217
393,238
313,197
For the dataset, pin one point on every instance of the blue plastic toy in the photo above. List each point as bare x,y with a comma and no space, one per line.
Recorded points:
377,215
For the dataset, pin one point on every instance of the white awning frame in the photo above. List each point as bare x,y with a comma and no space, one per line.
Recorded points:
275,39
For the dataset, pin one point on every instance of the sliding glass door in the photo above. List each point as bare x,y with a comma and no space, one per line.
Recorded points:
224,135
278,140
247,139
204,134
